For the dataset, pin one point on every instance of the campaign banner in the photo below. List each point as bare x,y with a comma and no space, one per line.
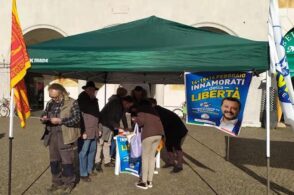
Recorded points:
127,165
217,99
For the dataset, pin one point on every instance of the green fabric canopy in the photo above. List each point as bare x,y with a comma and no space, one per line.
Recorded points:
156,50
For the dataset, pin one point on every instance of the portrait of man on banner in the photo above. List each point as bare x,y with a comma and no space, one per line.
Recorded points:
230,108
217,99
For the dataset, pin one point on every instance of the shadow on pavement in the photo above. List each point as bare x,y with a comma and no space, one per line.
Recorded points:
273,186
196,162
2,135
244,151
163,155
210,187
206,146
35,180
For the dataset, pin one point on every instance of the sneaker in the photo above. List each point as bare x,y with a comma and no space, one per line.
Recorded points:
139,181
155,172
142,185
67,190
85,178
54,188
149,184
177,169
110,164
98,167
168,165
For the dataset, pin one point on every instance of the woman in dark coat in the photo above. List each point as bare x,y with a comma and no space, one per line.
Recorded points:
175,132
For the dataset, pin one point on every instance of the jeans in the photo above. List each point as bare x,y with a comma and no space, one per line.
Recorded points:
87,155
112,148
113,144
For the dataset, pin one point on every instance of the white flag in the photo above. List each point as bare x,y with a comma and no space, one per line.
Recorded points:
279,65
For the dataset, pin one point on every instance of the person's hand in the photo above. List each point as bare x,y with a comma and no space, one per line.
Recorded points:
120,129
55,121
84,136
44,118
99,133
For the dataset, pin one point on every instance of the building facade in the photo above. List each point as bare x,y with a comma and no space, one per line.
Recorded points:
49,19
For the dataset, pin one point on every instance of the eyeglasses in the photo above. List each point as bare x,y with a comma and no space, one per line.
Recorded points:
56,99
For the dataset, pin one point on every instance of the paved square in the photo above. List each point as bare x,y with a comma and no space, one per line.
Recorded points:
206,170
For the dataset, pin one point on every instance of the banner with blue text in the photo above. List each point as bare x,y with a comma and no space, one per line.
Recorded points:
217,99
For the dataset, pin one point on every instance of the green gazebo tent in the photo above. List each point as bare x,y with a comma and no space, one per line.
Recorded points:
152,50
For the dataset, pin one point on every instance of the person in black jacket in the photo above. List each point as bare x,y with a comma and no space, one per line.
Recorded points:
110,117
89,107
175,132
139,94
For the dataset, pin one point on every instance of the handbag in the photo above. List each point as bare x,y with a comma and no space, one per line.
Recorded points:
135,143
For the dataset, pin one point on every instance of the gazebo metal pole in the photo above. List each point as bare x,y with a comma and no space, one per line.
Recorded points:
268,84
105,83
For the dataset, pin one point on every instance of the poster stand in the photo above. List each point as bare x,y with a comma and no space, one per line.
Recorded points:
117,160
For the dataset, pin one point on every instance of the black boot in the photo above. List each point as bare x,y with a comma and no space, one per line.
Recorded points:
177,169
98,167
53,188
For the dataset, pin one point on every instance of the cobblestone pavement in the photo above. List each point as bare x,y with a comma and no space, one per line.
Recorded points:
206,170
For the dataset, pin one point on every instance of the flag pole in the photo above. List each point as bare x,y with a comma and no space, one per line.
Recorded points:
268,84
10,139
19,63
